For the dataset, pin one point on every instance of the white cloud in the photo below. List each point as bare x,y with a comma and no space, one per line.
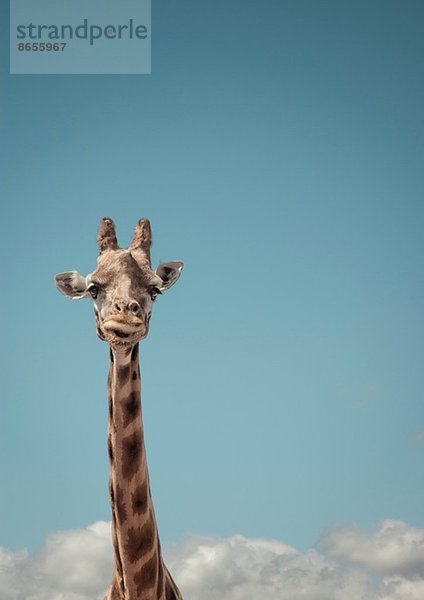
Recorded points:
393,549
402,589
238,568
350,564
73,565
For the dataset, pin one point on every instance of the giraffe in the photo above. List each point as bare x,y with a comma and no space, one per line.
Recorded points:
123,288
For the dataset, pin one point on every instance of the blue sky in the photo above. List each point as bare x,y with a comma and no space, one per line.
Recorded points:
277,149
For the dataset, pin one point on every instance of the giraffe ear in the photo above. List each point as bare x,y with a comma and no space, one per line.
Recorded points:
71,284
169,272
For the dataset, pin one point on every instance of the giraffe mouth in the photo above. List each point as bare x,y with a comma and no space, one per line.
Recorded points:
121,329
120,334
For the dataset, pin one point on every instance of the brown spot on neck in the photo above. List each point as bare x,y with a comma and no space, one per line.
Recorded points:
132,453
131,408
170,587
123,374
134,352
140,498
148,575
140,540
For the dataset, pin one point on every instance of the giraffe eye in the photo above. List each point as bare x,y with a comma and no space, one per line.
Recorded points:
154,292
93,291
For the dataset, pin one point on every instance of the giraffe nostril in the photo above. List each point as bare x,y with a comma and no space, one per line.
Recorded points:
134,307
118,307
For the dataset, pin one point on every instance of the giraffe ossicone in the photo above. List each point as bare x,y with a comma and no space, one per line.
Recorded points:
123,288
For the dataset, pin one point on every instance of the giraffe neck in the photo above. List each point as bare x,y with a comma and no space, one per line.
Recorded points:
140,573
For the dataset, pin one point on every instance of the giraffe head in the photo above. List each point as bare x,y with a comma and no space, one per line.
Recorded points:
123,287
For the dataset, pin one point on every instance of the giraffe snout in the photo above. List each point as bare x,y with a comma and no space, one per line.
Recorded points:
131,307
